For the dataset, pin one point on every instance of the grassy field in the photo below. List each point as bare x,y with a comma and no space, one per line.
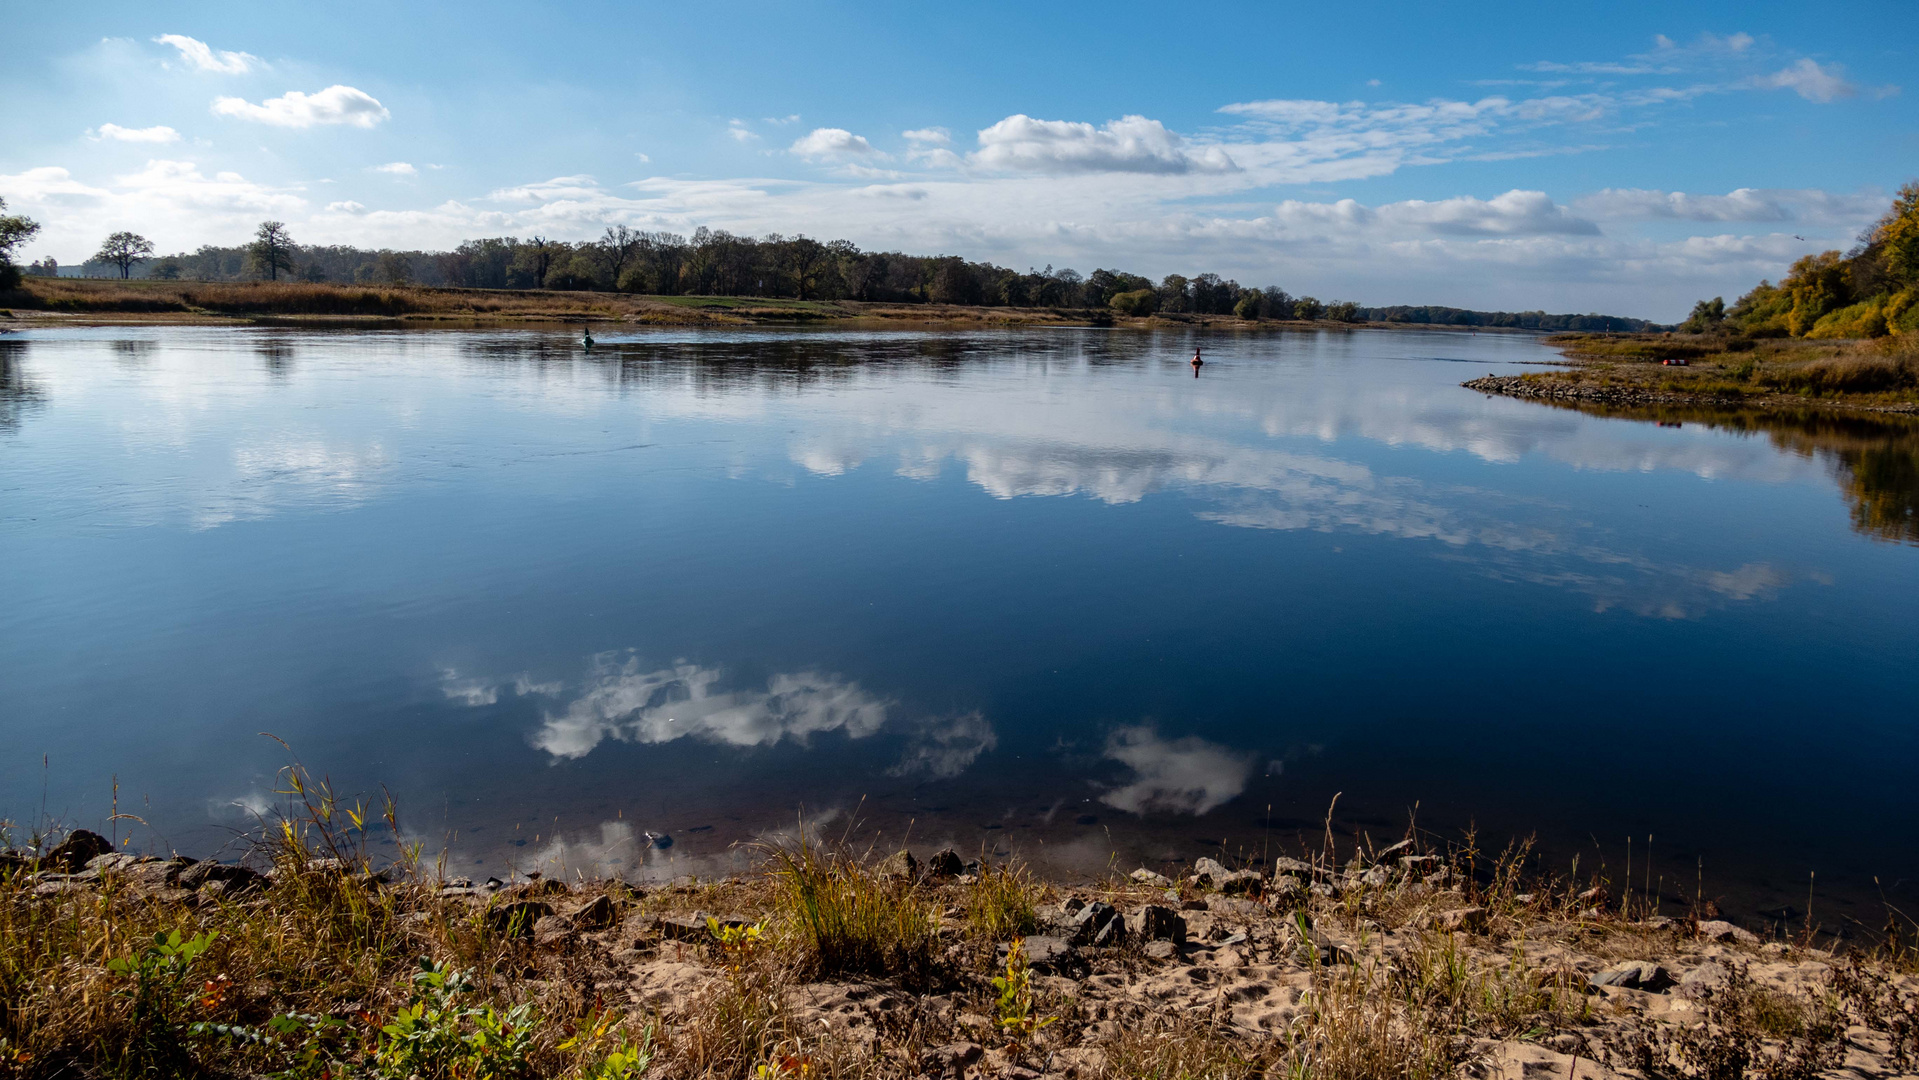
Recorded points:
305,958
1882,374
69,300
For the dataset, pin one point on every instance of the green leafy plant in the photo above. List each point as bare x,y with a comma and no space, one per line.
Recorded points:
1015,1005
160,987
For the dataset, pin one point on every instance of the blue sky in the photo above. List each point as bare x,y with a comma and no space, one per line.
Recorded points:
1627,157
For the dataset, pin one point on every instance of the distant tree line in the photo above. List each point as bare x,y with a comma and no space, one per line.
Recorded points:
1517,320
717,263
1870,291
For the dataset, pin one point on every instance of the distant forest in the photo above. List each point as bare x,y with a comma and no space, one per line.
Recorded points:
718,263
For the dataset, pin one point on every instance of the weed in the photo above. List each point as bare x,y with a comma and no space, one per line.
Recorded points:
1015,1004
1001,904
849,919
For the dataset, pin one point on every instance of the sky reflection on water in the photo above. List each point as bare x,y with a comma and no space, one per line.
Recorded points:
1039,591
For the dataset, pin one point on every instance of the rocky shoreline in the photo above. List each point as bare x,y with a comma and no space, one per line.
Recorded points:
1227,971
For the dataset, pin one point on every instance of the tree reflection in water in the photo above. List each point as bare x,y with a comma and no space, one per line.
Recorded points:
1874,458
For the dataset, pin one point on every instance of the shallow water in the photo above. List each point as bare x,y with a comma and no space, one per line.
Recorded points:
1042,592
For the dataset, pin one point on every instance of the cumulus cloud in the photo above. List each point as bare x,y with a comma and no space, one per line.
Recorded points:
1529,213
346,206
930,136
1133,144
1810,81
626,702
334,105
159,133
202,57
740,132
1181,776
397,168
832,144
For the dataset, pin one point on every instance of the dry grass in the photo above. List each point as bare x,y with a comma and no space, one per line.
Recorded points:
849,918
1882,371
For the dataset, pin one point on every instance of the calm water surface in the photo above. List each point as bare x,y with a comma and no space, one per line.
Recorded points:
1042,592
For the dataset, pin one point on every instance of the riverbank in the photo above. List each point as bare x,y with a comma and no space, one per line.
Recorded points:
1642,370
86,301
306,958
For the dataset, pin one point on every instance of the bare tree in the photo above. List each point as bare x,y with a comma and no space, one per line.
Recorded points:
618,248
271,250
124,249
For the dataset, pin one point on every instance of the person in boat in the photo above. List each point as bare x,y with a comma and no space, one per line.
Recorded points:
586,337
1197,363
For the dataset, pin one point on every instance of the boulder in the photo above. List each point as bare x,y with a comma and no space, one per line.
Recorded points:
1284,865
79,848
1156,923
1635,975
946,863
1207,872
1147,877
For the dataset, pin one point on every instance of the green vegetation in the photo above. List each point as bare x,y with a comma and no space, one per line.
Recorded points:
15,230
1871,291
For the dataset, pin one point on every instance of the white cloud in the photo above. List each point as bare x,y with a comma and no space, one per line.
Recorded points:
1132,144
346,207
626,703
203,58
740,132
159,133
334,105
1182,776
831,144
947,748
1810,81
1528,213
930,136
1741,204
396,168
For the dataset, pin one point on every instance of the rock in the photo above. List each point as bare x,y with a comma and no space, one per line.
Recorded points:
1160,950
598,914
1324,888
1375,878
1235,905
233,880
1284,865
1387,854
1156,923
79,848
325,866
1705,980
1594,897
1149,878
683,927
1098,923
1240,882
553,930
1721,930
112,862
1470,919
1050,953
517,918
535,889
954,1057
1192,905
1072,905
1419,865
1286,891
1207,872
946,863
1635,975
900,864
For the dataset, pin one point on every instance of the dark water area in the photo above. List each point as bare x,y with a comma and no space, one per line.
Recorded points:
1029,592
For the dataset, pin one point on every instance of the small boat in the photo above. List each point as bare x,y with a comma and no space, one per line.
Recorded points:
586,339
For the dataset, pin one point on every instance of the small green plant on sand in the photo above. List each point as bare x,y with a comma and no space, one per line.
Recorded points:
1015,1005
610,1051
